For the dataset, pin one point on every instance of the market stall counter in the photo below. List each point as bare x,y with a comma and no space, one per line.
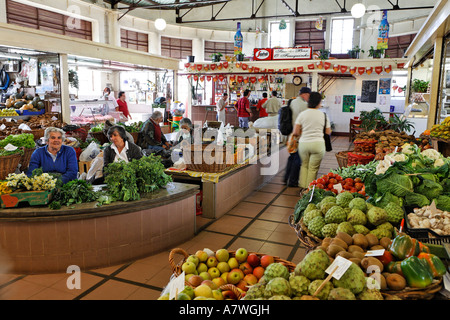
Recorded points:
40,240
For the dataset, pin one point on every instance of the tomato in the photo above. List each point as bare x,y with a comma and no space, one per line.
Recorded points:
353,190
330,186
321,181
320,186
333,181
334,191
349,181
338,177
362,192
331,174
357,179
346,187
359,186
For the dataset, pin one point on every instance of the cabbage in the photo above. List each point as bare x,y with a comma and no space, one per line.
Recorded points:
429,189
387,198
443,202
416,199
398,185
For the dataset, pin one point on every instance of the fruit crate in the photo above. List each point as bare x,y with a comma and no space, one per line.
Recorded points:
441,145
422,233
32,198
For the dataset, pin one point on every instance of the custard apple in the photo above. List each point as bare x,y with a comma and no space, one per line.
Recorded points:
353,279
314,264
309,207
394,213
346,227
381,233
315,226
275,270
308,216
343,199
255,292
327,199
335,214
357,216
358,203
386,225
327,207
279,297
299,285
277,286
329,230
370,294
323,294
376,215
359,228
341,294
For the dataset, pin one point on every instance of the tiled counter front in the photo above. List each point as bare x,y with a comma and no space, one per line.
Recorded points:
46,241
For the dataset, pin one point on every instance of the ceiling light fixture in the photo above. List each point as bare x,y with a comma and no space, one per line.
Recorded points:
160,24
358,10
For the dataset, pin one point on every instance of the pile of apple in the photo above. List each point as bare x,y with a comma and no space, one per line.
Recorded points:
243,269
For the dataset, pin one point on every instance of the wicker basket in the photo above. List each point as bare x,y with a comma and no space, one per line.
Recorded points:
205,167
309,240
100,136
25,158
37,133
409,293
176,267
8,164
342,158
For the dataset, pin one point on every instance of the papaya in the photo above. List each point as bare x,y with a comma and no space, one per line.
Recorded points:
19,104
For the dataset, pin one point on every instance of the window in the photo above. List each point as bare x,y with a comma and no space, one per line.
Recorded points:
32,17
341,35
225,48
398,45
307,35
176,48
279,38
134,40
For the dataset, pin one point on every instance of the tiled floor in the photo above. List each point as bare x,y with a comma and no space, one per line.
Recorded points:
259,223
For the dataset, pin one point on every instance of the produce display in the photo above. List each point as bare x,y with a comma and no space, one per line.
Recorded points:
37,182
441,130
21,101
25,140
436,220
35,122
336,183
8,112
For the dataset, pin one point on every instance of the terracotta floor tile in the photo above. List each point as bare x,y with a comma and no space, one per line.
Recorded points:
265,225
286,201
247,209
260,197
229,224
139,272
292,191
52,294
46,280
144,294
283,237
111,290
257,233
271,187
249,244
279,250
20,290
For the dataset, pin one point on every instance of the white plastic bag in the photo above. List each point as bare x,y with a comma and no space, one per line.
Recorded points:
90,152
270,122
96,169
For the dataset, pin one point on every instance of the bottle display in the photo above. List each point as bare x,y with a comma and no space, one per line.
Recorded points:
238,40
383,32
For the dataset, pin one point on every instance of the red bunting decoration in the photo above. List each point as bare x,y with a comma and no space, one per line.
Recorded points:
311,66
238,65
219,66
326,65
256,69
221,77
319,65
232,78
378,69
189,76
361,70
343,69
261,79
352,70
215,78
369,70
240,79
252,79
251,69
400,65
225,64
292,70
244,66
336,68
285,71
202,78
299,69
195,78
209,78
271,71
187,65
213,66
199,67
246,80
206,67
388,68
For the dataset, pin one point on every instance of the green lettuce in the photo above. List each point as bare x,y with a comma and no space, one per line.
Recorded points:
443,202
416,199
429,189
398,185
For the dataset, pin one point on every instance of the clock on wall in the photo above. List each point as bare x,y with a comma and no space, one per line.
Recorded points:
297,80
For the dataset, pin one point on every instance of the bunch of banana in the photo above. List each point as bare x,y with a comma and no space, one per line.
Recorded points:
441,130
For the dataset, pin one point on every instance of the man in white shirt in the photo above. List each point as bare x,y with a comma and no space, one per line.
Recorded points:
300,103
111,103
272,105
220,108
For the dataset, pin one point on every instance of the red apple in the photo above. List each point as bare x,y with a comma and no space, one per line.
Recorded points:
266,260
195,280
258,272
210,284
251,279
229,295
242,284
253,260
241,273
246,268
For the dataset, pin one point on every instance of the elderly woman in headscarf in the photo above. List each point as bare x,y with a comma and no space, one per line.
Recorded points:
55,157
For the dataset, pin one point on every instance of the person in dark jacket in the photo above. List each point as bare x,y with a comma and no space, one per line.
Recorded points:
55,157
151,136
120,148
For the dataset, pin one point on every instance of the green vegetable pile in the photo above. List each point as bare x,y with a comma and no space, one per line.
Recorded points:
126,181
414,182
133,127
73,192
98,128
25,140
361,171
4,153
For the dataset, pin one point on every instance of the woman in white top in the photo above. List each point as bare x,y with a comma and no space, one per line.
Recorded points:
308,128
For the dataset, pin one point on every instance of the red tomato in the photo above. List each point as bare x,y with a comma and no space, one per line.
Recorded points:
349,181
321,181
338,177
334,191
320,186
352,190
357,179
359,186
330,186
331,175
362,192
346,187
333,181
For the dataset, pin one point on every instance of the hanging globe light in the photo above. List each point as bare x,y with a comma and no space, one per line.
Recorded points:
160,24
358,10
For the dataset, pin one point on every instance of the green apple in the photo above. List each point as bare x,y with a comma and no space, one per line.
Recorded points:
203,291
214,272
233,263
241,255
202,255
205,275
224,277
222,255
211,262
194,259
223,267
189,267
202,267
233,277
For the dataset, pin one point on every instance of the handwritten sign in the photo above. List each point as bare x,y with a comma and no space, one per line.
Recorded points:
292,53
342,265
176,286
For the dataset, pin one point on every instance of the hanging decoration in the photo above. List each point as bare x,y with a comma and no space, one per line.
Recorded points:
319,23
311,66
187,65
361,70
388,68
352,70
326,65
336,68
199,67
383,32
378,69
343,69
213,66
282,25
369,70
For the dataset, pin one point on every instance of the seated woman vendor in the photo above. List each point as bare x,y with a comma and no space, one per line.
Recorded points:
55,157
151,136
187,131
120,148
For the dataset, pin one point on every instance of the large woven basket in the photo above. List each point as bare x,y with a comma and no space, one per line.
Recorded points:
176,267
309,240
203,166
342,158
100,136
409,293
37,133
8,164
25,158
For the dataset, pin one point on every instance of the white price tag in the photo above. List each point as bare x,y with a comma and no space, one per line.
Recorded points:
338,187
375,253
342,265
176,286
